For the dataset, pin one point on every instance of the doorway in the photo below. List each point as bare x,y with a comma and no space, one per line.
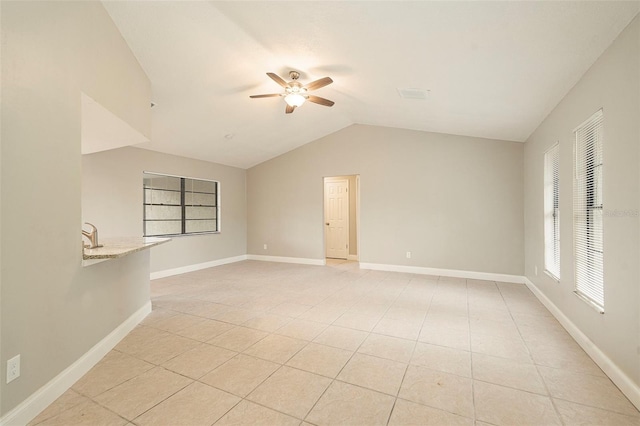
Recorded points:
340,217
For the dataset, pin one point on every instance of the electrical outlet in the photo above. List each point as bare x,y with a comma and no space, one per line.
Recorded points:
408,255
13,368
264,247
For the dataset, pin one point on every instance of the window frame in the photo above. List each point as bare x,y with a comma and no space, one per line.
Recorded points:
184,180
588,224
552,211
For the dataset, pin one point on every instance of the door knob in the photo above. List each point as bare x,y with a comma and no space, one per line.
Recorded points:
327,223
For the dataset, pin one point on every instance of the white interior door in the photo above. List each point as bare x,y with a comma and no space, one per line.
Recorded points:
336,215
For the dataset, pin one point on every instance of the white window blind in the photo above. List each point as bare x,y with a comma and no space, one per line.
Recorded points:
552,212
587,211
175,205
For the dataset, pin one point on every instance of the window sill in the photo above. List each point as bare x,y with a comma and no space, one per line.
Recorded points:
552,276
184,235
597,308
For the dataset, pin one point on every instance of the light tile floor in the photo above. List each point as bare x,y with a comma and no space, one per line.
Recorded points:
279,344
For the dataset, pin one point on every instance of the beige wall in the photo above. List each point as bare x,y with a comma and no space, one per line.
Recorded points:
455,202
353,216
612,83
2,359
112,200
54,310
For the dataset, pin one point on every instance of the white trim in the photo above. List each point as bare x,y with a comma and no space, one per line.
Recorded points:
359,247
336,179
621,380
298,260
592,305
518,279
588,120
550,275
196,267
43,397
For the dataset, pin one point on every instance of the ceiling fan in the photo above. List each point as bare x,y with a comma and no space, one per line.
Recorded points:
295,94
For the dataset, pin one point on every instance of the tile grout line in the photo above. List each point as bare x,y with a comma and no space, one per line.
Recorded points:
150,408
349,360
415,345
544,382
244,398
284,364
473,381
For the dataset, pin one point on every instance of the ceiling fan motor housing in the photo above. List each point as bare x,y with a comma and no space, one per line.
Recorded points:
294,75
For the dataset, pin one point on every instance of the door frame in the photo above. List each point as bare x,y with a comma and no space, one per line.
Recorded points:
355,257
337,179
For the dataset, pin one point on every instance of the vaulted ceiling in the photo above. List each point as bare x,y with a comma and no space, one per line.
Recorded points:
491,69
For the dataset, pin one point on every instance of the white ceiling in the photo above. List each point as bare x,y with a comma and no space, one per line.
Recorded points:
494,69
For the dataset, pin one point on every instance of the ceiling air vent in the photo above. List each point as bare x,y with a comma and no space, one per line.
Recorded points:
413,93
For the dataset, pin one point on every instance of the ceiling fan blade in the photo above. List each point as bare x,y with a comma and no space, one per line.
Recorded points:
270,95
289,109
278,80
319,83
320,101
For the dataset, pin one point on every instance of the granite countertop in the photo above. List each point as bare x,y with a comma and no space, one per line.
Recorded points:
122,246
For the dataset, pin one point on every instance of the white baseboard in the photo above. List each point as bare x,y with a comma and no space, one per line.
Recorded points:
617,376
518,279
299,260
28,409
196,267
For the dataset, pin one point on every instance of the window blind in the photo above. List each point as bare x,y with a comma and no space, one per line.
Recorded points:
552,212
588,210
175,205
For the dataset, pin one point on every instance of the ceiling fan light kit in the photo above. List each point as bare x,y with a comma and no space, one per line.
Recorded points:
294,99
295,94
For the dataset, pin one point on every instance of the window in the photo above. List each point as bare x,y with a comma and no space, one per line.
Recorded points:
551,212
176,205
587,211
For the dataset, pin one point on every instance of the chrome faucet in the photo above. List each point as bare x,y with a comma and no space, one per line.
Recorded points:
92,235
